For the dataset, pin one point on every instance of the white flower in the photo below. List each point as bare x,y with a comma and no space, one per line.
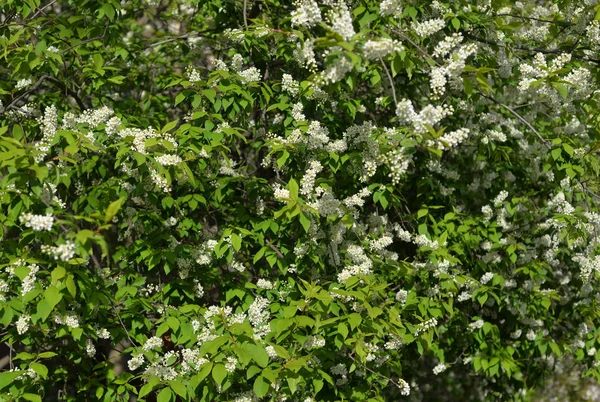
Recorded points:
440,368
476,325
401,296
168,160
307,13
264,284
501,197
249,75
428,28
89,348
103,333
24,83
135,362
231,364
271,352
23,324
71,321
391,7
488,276
37,222
404,387
153,342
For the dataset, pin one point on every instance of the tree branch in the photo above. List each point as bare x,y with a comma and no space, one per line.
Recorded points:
391,81
518,116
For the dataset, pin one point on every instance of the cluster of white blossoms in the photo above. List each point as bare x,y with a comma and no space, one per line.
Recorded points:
340,19
141,135
476,325
264,284
440,368
451,139
37,222
307,13
90,349
251,74
452,66
307,183
425,326
259,315
488,276
501,197
63,252
203,254
70,320
314,342
193,75
289,85
304,54
168,160
430,115
376,49
48,125
335,71
153,343
22,324
423,241
447,44
390,7
160,181
592,32
281,194
23,83
362,264
429,27
357,200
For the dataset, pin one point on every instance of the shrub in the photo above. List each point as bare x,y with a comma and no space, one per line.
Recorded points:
309,201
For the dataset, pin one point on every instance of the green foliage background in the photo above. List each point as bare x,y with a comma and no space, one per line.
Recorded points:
379,269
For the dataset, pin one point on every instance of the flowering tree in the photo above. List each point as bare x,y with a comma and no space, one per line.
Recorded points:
305,201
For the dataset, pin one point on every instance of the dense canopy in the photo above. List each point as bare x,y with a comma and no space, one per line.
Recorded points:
337,200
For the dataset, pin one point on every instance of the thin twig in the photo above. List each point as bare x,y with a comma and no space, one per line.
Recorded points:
532,49
83,42
274,248
244,12
391,81
41,10
162,42
25,93
379,374
419,48
518,116
122,324
535,19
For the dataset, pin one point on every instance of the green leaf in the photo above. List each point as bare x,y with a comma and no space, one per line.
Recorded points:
236,242
7,377
259,354
304,221
169,126
456,23
40,369
261,386
202,374
58,273
179,388
32,397
219,373
165,395
293,188
343,330
112,209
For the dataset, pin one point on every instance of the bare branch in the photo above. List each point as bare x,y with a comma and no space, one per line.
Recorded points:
391,81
